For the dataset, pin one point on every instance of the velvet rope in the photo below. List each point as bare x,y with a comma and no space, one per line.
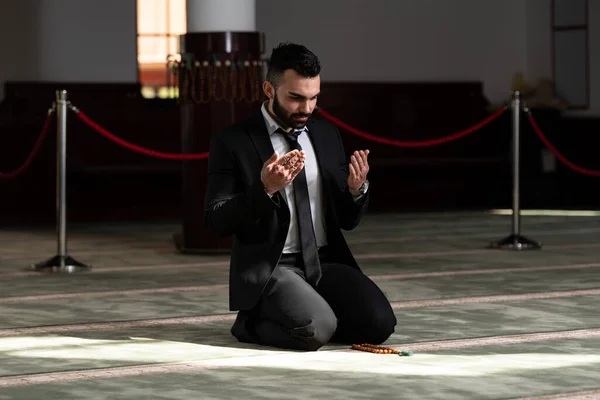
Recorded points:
32,154
138,149
424,143
556,153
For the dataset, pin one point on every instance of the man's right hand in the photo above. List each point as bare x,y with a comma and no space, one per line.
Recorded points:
278,172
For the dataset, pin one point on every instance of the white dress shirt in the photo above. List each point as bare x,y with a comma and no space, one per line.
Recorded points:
313,179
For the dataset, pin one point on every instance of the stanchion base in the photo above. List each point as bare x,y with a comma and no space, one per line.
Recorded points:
516,242
61,264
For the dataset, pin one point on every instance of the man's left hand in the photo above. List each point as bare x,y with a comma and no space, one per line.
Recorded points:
359,168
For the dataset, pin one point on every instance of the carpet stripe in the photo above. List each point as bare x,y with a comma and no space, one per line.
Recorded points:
56,296
494,299
231,316
435,235
408,275
109,326
498,340
97,270
363,256
482,271
587,395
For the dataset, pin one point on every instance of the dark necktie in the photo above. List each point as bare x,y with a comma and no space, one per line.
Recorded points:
310,253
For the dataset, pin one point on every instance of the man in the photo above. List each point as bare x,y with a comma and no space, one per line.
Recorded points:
281,184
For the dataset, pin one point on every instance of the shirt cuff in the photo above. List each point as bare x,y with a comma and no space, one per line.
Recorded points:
363,192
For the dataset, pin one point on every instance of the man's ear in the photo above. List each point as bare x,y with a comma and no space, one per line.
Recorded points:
269,90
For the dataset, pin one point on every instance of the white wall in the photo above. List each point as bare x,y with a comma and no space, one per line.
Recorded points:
401,40
68,41
539,39
365,40
594,54
18,43
539,63
88,40
594,48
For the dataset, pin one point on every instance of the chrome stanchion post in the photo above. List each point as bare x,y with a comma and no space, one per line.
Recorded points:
516,169
61,262
515,240
61,175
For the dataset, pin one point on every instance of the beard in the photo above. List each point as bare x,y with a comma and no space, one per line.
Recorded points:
288,120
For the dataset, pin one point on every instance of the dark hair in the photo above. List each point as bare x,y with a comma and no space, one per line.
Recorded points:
292,56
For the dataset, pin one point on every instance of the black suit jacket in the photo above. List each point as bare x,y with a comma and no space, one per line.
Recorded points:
237,204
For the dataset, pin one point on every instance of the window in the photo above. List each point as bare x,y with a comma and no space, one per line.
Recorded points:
159,24
570,58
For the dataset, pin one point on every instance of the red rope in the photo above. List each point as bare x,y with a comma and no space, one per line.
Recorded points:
136,148
556,153
34,152
424,143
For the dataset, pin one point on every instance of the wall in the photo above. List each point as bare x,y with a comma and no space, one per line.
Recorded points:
594,48
539,61
19,44
367,40
423,40
68,41
88,41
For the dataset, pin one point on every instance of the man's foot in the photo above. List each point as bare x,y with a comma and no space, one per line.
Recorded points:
242,327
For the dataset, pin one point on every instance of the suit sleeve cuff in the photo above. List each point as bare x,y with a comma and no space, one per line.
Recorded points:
260,198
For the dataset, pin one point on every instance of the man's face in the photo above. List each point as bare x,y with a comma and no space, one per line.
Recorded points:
294,100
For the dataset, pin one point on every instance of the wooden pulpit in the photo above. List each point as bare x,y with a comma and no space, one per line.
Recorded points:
220,78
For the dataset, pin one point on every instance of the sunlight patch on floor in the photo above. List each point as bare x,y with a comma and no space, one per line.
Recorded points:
134,349
553,213
149,351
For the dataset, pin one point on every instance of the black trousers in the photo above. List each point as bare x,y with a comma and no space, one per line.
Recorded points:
345,307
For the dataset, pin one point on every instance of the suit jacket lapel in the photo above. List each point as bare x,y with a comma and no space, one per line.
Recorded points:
260,136
257,130
327,166
319,143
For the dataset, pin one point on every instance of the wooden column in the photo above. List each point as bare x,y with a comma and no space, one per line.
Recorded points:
220,83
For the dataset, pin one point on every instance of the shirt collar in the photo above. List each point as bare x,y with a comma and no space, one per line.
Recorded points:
273,125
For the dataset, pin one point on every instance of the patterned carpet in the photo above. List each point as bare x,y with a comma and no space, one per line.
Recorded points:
149,323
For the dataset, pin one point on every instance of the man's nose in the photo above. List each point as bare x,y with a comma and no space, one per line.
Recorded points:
305,107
